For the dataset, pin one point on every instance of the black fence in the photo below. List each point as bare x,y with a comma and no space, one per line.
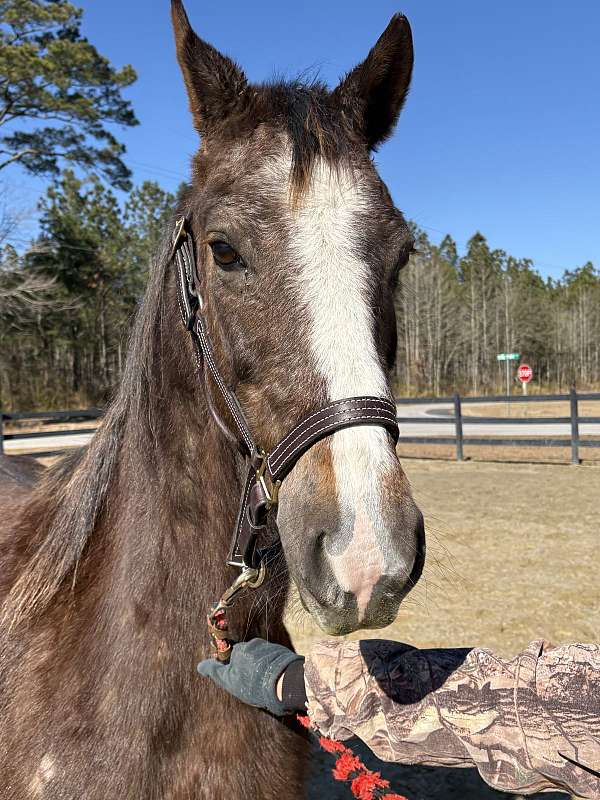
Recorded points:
459,440
49,417
454,415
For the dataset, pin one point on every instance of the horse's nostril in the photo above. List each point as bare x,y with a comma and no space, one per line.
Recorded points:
320,541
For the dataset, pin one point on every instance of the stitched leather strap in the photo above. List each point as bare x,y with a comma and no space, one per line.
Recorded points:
252,516
340,414
230,399
187,297
190,307
264,473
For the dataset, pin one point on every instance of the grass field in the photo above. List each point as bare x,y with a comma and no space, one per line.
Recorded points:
500,453
512,557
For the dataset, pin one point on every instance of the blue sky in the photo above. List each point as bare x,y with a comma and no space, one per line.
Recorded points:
501,131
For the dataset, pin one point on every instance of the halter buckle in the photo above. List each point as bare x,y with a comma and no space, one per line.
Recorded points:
272,493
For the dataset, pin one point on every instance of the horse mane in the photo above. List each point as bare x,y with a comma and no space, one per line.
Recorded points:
70,498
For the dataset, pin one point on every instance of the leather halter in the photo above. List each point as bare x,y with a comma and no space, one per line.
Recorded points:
264,471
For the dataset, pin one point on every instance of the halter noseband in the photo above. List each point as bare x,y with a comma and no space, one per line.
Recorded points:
264,471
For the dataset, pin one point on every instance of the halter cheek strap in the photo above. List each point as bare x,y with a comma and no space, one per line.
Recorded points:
264,471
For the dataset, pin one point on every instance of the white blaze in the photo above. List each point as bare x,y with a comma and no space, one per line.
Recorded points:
333,283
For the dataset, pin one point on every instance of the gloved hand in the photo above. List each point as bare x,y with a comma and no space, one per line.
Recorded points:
253,672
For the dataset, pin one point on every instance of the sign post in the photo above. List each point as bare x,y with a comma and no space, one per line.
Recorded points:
524,374
507,358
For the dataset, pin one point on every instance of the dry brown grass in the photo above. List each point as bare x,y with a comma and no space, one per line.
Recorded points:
553,408
501,453
512,555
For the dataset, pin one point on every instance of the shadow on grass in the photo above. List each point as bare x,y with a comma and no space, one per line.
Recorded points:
415,782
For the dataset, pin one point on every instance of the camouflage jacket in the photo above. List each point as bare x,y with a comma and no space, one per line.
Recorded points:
529,724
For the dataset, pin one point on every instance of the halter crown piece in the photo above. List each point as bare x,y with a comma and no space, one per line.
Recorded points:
264,471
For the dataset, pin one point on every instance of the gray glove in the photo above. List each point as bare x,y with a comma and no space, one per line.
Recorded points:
252,673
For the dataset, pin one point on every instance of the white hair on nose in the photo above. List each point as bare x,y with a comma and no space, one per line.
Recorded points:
333,285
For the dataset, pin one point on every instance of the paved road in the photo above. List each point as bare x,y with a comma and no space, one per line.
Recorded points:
46,443
472,428
416,428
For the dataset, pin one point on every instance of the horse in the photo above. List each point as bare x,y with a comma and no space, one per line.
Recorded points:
111,557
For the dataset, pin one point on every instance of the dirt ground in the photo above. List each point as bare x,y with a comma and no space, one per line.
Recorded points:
512,557
501,453
553,408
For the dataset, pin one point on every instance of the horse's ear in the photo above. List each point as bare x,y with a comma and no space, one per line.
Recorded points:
215,85
375,91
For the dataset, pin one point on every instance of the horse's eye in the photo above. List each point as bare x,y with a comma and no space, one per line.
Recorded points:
225,256
402,261
399,266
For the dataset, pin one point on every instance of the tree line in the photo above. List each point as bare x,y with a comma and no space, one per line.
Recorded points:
69,300
457,313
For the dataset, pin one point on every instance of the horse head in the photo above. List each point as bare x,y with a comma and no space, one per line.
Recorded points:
299,247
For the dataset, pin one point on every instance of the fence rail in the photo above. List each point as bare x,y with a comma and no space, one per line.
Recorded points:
453,415
459,440
50,416
499,398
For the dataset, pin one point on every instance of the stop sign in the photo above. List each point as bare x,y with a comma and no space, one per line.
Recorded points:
525,373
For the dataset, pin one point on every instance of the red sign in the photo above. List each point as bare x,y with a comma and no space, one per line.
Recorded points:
525,373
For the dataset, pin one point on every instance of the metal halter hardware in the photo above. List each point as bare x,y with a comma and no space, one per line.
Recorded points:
264,471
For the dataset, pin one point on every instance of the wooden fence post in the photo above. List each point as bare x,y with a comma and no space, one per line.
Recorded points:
459,428
574,427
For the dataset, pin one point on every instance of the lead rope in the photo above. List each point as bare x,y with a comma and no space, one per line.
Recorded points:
365,784
218,625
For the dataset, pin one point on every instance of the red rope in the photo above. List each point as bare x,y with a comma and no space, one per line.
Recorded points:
364,783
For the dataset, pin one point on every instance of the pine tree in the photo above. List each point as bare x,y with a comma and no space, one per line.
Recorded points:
49,73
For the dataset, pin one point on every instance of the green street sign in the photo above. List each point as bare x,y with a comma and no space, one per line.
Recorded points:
508,356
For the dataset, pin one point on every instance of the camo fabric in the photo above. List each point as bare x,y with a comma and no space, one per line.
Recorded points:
528,724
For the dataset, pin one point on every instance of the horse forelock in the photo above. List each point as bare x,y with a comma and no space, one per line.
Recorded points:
302,114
